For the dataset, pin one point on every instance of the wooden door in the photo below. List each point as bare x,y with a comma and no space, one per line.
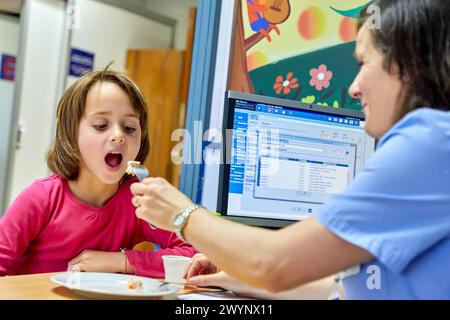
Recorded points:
160,73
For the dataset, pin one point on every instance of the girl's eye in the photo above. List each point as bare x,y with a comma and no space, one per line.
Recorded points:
100,126
130,129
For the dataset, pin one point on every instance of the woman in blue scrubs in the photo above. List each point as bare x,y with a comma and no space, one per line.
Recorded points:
391,228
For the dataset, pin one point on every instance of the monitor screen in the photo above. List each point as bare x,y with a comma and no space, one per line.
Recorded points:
283,159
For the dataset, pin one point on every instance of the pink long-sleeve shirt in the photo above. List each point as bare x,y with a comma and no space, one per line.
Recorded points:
47,226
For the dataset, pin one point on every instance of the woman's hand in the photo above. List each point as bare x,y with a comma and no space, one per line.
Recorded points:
202,272
157,202
225,281
99,261
199,264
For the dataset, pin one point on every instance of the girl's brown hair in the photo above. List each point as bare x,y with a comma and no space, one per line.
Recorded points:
64,155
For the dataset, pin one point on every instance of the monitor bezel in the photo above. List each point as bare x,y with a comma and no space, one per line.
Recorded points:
228,122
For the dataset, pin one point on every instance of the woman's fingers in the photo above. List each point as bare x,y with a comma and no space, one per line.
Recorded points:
147,185
200,264
139,188
190,264
142,213
218,279
135,201
157,202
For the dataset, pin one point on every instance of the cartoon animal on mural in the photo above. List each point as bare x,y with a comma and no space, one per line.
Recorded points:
321,75
264,16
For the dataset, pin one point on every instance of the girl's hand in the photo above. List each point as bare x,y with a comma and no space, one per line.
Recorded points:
99,261
157,202
199,264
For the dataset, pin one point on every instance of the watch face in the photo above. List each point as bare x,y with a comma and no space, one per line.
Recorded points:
178,221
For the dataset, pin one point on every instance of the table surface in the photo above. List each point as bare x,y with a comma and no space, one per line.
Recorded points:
40,287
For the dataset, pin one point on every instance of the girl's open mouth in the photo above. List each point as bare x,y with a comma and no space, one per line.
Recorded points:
114,160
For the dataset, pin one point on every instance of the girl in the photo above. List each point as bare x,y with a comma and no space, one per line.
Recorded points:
82,217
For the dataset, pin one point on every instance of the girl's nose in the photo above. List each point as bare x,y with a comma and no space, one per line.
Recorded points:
117,136
354,90
118,139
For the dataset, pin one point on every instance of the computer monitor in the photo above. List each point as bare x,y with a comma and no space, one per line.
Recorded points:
284,159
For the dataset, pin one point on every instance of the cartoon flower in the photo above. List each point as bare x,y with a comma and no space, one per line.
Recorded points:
320,77
285,85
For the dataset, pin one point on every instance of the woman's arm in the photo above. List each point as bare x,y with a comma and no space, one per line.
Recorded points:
274,260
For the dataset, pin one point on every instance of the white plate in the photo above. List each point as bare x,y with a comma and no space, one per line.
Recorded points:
113,286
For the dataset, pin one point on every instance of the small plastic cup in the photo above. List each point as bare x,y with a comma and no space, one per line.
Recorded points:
174,268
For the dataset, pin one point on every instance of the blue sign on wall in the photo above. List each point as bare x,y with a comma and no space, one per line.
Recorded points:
8,68
81,62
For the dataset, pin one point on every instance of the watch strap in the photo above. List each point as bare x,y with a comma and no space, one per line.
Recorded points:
185,213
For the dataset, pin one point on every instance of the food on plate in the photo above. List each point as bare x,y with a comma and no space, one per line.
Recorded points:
135,284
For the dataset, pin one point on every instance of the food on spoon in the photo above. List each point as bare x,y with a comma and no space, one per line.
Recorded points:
132,164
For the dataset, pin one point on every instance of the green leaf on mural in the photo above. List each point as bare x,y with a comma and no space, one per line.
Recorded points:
309,99
352,13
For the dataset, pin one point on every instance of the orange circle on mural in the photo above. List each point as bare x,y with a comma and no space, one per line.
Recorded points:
311,23
347,29
255,60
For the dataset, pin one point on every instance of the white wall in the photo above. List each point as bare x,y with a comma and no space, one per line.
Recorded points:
9,42
41,43
108,32
176,9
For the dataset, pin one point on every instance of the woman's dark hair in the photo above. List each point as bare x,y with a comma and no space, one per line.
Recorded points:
415,35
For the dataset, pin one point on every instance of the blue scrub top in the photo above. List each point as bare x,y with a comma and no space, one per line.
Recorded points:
398,209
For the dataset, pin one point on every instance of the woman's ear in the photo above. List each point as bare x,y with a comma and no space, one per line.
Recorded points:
406,78
395,70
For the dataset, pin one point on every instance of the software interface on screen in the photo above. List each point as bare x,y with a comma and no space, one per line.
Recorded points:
286,162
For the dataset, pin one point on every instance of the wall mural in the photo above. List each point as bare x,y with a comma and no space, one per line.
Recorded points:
296,49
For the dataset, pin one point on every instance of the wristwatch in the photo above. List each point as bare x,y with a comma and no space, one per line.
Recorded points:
181,219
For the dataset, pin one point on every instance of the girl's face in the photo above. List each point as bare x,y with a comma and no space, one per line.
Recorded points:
381,93
109,133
